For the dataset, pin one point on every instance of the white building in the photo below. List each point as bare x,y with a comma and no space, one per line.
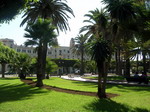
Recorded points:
60,52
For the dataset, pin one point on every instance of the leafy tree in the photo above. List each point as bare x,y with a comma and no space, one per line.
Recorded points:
51,67
41,34
90,66
10,8
6,56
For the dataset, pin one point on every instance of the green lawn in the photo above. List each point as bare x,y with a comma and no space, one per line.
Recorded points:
108,78
15,96
111,78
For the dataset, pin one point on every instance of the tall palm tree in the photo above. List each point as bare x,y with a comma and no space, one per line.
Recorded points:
79,49
98,32
41,34
101,53
57,10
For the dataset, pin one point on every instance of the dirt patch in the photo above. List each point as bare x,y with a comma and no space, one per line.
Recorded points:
32,83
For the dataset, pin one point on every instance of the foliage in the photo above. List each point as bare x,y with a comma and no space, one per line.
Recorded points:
65,62
42,31
90,67
21,64
7,55
80,49
57,10
101,51
42,34
51,66
10,8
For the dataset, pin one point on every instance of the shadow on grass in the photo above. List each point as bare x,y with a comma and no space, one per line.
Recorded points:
125,88
107,105
14,92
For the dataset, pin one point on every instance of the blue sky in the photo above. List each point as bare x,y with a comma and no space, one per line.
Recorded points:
80,8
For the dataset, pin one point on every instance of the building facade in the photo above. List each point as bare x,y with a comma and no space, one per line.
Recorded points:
60,52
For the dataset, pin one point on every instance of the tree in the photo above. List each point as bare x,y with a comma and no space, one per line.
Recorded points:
97,24
110,25
98,32
21,64
57,10
90,66
79,49
101,53
10,8
6,56
41,34
51,67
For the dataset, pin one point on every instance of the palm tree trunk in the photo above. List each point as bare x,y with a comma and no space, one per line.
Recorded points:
118,62
101,80
44,53
127,67
144,63
137,63
3,69
39,67
82,63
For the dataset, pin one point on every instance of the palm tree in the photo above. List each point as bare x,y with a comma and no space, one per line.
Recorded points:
101,53
57,10
110,26
98,32
79,49
21,64
97,24
41,34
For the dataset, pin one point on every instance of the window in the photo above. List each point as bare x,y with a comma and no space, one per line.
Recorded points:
18,50
34,52
29,51
11,46
23,50
49,53
59,52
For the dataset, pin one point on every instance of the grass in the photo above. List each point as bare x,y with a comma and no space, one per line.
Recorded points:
15,96
109,78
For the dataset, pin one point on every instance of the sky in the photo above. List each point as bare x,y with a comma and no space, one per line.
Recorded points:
79,7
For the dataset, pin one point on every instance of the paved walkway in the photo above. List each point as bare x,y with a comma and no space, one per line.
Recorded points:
109,82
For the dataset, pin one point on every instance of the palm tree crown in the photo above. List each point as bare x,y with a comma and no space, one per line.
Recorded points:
57,10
